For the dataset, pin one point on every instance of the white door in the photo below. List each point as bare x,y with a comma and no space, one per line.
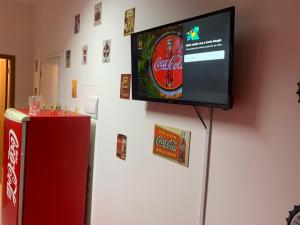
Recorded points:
49,81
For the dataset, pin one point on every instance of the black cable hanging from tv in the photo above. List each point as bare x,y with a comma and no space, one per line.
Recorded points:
206,164
200,117
298,92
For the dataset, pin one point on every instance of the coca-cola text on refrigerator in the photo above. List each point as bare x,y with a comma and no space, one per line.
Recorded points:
12,181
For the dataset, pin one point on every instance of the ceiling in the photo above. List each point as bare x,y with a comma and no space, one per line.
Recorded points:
31,2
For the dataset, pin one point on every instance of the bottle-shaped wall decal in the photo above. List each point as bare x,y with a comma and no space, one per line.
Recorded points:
169,72
182,147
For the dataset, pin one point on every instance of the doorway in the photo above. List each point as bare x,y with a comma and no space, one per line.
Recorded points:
7,94
49,81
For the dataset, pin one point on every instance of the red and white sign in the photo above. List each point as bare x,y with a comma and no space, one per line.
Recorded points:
172,143
11,172
167,62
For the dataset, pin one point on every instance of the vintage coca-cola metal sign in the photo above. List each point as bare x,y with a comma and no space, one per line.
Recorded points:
166,64
172,143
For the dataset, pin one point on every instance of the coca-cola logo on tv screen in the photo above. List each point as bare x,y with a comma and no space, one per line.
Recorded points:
167,61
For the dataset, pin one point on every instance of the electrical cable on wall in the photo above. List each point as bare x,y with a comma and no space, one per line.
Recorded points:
206,165
298,92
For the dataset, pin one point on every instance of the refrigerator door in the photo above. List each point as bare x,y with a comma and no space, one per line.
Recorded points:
15,124
57,146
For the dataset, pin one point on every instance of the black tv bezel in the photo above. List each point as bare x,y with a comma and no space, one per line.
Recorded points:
134,62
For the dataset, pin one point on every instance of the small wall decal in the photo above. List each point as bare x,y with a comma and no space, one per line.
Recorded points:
74,88
77,24
129,21
97,14
125,86
121,146
172,144
84,54
106,51
68,59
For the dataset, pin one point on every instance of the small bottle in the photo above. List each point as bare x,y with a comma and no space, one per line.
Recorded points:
169,73
65,110
58,107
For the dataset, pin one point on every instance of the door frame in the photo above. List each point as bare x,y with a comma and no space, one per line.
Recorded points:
12,76
49,57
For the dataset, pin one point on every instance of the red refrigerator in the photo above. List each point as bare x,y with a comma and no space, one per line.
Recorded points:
44,168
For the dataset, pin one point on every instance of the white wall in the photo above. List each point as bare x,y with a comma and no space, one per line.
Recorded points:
254,163
16,23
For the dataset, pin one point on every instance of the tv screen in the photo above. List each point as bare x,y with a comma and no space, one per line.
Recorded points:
187,62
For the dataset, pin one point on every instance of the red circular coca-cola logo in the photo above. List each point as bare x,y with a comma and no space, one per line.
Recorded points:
167,62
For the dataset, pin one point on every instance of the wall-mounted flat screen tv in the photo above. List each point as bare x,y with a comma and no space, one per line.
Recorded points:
186,62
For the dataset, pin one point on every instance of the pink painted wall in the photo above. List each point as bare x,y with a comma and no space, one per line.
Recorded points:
16,23
256,145
254,176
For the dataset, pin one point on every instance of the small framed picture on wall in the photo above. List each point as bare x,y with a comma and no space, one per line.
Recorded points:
77,24
129,21
106,51
98,14
121,146
125,86
68,59
74,88
84,54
